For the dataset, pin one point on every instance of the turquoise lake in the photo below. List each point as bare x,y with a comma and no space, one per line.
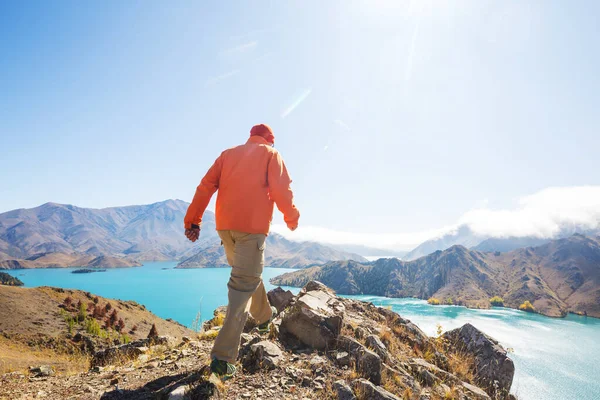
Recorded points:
554,358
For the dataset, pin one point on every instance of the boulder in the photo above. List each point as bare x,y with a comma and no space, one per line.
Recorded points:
262,355
315,319
367,390
374,343
367,362
343,390
280,298
494,370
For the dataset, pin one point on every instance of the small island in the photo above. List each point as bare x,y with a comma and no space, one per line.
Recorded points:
86,271
9,280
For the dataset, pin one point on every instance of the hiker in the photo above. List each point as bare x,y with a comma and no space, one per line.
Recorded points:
250,178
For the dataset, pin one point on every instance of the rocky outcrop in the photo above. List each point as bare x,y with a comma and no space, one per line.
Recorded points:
359,351
315,320
494,370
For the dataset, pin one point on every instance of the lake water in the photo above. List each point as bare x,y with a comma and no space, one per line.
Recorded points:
554,358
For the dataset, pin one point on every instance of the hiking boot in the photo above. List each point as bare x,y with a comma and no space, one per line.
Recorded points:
222,369
265,327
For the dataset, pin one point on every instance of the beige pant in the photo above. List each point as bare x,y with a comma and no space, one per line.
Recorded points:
245,253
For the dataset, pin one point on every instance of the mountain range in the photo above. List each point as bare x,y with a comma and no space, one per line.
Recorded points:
464,236
60,235
558,277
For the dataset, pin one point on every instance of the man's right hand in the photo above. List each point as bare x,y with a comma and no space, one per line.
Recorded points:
192,234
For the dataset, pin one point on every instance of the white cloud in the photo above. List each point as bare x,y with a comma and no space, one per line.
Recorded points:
542,214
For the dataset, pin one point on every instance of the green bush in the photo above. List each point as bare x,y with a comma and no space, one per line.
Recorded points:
497,301
449,301
82,312
92,327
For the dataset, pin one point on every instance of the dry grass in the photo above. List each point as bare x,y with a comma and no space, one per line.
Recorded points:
17,357
208,335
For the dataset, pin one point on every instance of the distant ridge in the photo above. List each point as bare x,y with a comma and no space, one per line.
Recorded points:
63,235
558,277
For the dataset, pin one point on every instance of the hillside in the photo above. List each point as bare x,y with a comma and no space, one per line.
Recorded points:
280,253
9,280
38,317
145,232
558,277
320,346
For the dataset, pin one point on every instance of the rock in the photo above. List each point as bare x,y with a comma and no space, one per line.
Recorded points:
179,393
262,355
315,319
374,343
360,332
419,365
372,392
401,378
494,370
317,362
342,358
42,370
280,298
473,392
317,286
143,358
367,362
343,390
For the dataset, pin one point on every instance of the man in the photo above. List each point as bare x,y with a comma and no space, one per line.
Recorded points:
250,178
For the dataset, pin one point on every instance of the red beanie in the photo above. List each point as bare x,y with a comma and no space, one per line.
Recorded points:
264,131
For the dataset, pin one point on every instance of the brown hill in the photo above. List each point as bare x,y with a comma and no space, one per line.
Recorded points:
34,325
558,277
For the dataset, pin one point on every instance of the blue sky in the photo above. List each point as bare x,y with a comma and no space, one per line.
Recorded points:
393,117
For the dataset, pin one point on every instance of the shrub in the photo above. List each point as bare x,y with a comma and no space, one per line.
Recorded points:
82,312
449,301
527,306
107,307
497,301
112,319
153,332
133,330
68,302
96,300
70,324
433,301
120,326
125,339
92,327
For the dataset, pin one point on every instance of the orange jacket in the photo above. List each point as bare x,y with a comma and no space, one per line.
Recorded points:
250,178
